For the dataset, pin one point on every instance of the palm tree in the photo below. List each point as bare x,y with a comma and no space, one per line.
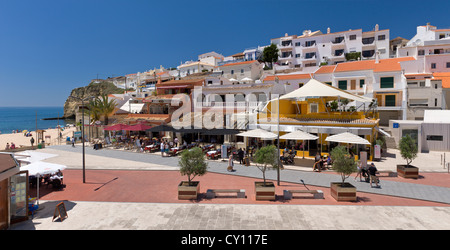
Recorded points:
102,106
94,110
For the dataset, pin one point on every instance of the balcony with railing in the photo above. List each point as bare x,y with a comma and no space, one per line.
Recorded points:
368,54
368,41
286,55
338,41
285,45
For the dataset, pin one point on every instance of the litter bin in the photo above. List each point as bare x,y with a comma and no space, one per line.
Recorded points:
247,161
39,146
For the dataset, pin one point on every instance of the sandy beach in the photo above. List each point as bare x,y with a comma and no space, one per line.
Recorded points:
20,140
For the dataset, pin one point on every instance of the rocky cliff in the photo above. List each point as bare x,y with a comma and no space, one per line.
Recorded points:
93,89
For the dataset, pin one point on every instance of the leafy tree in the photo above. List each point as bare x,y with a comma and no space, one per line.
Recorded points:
270,54
408,149
192,163
267,156
343,162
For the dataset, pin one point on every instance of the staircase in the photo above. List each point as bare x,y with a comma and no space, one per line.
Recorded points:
390,141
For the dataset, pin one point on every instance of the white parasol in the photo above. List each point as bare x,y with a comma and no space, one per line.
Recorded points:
259,133
39,168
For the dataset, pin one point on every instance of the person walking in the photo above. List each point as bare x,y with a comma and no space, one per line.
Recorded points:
32,142
230,163
241,156
359,173
73,141
162,149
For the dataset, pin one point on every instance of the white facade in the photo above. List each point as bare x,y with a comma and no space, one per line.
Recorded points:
313,48
194,67
431,47
238,71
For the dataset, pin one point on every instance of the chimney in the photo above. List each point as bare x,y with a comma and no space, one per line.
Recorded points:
328,30
376,27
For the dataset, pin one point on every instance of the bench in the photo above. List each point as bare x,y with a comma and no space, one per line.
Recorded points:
389,172
288,194
211,193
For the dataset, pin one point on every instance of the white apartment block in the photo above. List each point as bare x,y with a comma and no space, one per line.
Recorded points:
431,47
206,62
245,71
311,49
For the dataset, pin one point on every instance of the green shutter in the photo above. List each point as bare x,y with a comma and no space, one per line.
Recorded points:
387,82
343,85
389,101
361,83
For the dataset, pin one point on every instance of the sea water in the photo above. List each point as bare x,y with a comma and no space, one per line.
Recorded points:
24,118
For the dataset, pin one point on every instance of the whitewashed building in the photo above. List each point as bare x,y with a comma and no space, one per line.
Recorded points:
312,49
431,47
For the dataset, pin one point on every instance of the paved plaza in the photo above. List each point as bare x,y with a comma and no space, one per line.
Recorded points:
399,203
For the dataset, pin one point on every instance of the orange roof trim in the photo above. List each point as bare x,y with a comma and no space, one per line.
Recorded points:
238,63
289,77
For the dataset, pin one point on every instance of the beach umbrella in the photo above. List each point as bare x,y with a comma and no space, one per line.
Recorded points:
233,80
246,79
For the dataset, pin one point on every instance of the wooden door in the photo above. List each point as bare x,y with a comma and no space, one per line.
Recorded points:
353,84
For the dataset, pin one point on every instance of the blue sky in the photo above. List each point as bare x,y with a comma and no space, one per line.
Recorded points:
49,47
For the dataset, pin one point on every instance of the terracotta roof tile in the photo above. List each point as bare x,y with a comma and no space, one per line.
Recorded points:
444,76
238,63
326,69
391,64
289,77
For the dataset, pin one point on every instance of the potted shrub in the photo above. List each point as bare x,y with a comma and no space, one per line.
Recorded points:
408,151
345,165
265,157
192,163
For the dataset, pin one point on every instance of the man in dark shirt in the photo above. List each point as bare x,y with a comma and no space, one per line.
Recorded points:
373,171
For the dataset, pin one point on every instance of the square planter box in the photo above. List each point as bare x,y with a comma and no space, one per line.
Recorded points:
186,192
346,192
264,192
408,171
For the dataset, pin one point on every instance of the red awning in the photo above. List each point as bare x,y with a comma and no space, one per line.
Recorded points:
137,127
115,127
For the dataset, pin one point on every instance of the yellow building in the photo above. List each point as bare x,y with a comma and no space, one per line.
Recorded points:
311,109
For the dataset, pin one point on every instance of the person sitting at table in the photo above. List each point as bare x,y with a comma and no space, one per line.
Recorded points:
317,162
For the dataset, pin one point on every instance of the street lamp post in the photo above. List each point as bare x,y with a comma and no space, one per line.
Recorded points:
82,132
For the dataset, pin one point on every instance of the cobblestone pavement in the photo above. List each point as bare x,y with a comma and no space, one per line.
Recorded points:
198,216
166,216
